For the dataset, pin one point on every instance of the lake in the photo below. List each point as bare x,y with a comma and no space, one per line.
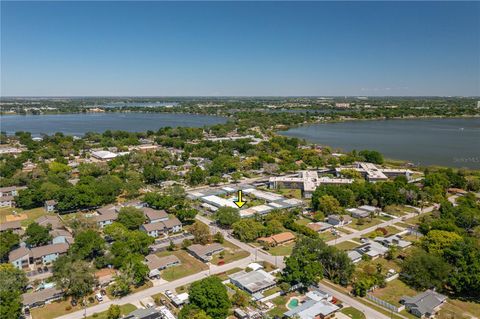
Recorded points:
446,142
79,124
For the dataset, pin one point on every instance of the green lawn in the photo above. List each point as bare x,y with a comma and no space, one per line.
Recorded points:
55,309
189,265
303,221
281,250
455,308
326,235
280,303
32,214
366,223
124,310
394,290
347,245
290,193
224,275
398,210
353,313
231,253
271,291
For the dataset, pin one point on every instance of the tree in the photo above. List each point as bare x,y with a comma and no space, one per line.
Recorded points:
76,278
240,298
131,217
113,312
171,246
211,296
186,214
329,205
88,245
303,266
134,268
422,270
437,240
248,230
37,235
201,233
218,237
8,241
196,176
192,312
227,216
372,156
12,284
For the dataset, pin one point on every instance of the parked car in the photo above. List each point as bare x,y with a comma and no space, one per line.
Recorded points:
73,302
99,297
168,293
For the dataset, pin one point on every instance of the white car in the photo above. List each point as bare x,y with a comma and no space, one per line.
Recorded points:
168,293
99,297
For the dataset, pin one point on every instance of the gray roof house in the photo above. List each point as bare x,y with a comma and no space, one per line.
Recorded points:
155,263
38,298
425,304
253,281
312,309
204,252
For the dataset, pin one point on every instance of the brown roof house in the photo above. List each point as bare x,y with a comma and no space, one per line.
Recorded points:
278,239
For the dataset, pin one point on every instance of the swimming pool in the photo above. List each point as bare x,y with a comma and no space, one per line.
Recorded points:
293,303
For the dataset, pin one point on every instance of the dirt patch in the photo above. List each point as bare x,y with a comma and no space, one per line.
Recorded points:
13,218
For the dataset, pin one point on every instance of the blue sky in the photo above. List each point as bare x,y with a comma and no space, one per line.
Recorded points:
240,48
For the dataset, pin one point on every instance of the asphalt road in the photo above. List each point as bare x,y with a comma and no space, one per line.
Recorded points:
255,255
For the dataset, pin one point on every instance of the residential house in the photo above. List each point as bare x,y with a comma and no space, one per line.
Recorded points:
106,216
253,282
148,313
51,220
48,253
172,225
50,205
105,276
15,226
7,201
20,257
154,216
372,249
10,190
312,309
278,239
61,236
358,213
205,252
354,256
41,297
156,264
319,226
339,220
393,240
425,304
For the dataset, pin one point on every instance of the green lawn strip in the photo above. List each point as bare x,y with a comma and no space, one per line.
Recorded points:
281,250
347,245
353,313
271,291
56,309
189,265
224,275
366,223
124,310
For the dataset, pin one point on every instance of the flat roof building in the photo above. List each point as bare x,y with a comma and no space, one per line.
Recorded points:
254,281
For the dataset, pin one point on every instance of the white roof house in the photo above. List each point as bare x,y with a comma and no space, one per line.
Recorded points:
218,201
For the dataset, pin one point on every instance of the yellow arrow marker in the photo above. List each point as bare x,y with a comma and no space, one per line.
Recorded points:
239,201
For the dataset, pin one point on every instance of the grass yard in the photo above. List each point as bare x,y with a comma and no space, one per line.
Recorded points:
303,221
416,220
394,290
353,313
124,310
404,225
386,264
398,210
224,275
366,223
282,250
32,214
343,230
231,253
347,245
189,265
180,289
271,291
458,309
326,235
55,309
290,193
280,307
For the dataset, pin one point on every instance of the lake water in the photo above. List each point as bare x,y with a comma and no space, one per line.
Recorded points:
78,124
446,142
